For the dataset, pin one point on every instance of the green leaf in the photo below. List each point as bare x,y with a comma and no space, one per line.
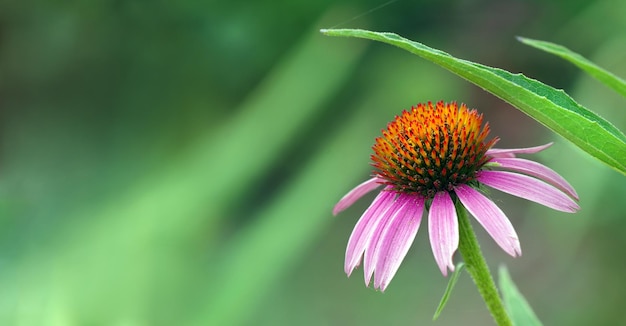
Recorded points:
518,308
446,295
616,83
551,107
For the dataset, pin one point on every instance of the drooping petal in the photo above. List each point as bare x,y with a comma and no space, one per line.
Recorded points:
356,193
365,227
396,240
443,230
537,170
491,217
369,257
510,152
528,188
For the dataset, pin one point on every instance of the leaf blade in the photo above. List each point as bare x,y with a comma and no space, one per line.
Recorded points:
551,107
604,76
518,308
446,295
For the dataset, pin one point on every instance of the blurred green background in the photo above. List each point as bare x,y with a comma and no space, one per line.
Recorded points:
176,163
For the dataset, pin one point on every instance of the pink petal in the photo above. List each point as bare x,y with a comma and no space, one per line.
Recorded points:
537,170
369,258
491,218
529,188
510,152
356,193
365,227
443,229
395,241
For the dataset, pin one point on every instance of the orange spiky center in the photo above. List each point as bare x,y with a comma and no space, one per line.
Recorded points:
432,148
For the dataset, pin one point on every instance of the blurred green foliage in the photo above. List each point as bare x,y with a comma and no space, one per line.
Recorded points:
176,162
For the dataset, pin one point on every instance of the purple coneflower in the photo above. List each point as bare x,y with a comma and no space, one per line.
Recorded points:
431,157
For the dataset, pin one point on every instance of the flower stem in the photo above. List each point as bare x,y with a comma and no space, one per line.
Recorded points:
478,269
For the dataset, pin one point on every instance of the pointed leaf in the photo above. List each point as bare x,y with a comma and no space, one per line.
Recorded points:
518,308
607,78
551,107
451,283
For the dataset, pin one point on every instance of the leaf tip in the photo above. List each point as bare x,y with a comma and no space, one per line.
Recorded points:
525,40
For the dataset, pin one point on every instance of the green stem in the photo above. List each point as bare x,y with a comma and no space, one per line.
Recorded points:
477,267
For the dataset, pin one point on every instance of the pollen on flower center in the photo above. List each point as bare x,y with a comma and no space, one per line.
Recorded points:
432,148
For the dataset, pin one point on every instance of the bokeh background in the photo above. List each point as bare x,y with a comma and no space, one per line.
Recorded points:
176,162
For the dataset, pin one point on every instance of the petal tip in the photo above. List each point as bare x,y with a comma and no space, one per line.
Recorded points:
444,268
350,267
516,247
382,286
356,193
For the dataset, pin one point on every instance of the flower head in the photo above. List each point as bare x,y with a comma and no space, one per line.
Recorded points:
428,158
